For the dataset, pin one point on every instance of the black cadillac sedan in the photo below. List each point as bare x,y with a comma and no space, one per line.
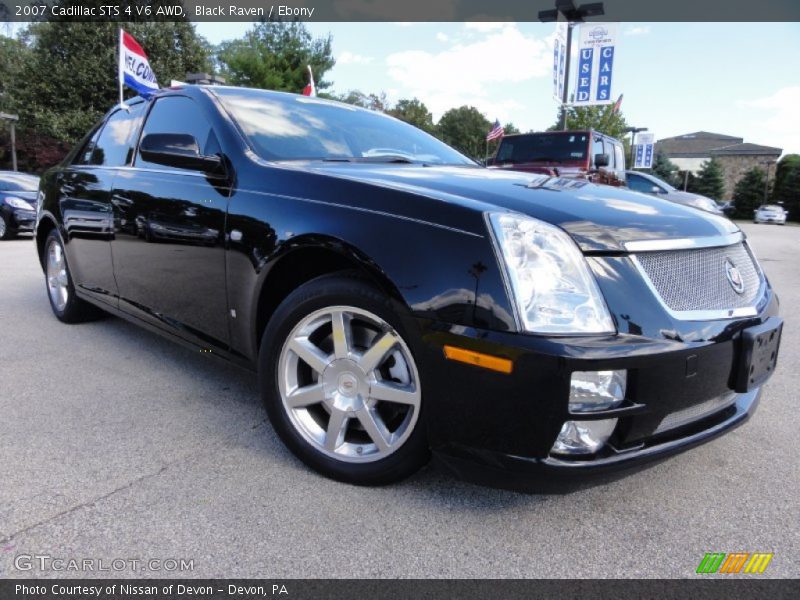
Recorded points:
18,192
396,299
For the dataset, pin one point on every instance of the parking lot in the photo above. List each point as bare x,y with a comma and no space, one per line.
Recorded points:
115,443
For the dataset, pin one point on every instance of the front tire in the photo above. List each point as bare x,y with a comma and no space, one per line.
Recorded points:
67,307
5,231
340,382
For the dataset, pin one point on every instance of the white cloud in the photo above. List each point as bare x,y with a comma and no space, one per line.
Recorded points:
468,73
776,118
442,37
349,58
484,26
638,30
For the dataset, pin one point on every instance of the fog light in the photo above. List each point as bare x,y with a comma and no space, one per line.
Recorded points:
596,390
583,437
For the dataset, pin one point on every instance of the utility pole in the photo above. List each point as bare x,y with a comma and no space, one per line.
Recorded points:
12,119
573,16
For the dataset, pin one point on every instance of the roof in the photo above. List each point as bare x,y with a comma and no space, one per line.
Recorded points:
697,144
704,144
747,149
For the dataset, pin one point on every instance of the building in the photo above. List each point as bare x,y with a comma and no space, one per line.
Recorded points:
689,151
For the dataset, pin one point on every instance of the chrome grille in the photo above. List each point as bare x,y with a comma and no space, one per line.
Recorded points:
696,279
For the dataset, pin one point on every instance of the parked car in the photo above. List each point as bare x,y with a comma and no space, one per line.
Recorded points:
18,193
584,154
650,184
770,213
521,325
728,208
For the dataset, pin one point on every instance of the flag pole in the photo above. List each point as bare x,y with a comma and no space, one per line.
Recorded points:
120,72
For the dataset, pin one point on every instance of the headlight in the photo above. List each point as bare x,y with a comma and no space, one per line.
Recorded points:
17,203
553,289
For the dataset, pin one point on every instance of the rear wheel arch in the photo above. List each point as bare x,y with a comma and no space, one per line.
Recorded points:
306,262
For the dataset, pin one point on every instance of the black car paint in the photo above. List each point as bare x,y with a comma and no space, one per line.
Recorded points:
420,233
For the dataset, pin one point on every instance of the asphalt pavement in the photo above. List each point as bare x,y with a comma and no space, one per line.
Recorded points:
116,444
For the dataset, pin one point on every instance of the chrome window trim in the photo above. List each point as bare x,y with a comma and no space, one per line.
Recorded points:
716,241
708,315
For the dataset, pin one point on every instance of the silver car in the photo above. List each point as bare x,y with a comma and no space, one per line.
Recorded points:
647,184
770,213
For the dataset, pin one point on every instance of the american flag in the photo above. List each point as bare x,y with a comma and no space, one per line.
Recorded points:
496,131
617,104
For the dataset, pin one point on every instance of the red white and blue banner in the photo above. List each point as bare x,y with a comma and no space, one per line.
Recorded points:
595,63
643,151
134,68
559,60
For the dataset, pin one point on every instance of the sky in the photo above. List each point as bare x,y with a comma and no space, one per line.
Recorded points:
738,79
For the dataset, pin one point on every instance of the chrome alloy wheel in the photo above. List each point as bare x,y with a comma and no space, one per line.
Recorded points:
349,384
2,227
57,279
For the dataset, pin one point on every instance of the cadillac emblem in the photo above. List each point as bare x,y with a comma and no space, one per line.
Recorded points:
734,277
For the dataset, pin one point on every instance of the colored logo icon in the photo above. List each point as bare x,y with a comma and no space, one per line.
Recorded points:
736,562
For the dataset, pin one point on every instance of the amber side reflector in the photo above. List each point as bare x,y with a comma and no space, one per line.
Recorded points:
487,361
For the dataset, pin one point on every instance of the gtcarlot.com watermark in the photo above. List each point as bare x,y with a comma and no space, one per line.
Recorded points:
46,562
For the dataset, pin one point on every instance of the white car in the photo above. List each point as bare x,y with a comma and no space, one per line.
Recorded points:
770,213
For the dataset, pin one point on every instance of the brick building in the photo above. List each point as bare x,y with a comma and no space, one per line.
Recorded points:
691,150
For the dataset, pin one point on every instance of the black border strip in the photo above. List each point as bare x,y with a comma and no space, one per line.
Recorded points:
704,587
392,10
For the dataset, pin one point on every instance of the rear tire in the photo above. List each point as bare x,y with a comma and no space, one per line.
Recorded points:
67,307
340,382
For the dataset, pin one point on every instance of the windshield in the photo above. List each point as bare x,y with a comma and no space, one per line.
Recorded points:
293,127
18,182
771,207
551,148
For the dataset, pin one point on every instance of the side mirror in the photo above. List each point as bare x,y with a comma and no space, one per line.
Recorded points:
178,150
601,160
657,190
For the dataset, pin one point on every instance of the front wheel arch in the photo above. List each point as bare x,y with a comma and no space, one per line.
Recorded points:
305,261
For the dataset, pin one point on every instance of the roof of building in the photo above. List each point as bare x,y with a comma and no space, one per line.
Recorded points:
703,144
748,149
697,144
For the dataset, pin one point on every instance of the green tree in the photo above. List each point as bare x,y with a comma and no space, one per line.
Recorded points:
70,78
465,129
13,56
749,193
414,112
709,180
786,188
275,55
665,169
600,118
357,98
510,129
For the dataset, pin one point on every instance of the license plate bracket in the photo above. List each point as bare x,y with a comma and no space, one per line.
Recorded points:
759,354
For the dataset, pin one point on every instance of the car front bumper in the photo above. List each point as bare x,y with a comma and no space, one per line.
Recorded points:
19,220
499,428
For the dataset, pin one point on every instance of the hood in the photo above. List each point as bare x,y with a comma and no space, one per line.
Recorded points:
599,218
